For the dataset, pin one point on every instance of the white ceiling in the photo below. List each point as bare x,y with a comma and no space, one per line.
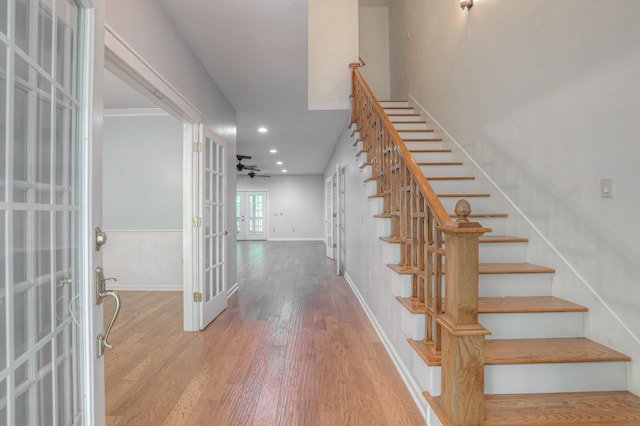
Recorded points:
256,51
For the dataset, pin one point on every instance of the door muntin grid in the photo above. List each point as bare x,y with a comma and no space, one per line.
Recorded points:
214,224
39,212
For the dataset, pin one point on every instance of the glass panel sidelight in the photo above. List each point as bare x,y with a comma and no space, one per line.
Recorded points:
39,210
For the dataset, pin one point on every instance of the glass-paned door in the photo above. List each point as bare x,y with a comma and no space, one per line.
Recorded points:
40,213
329,218
213,230
251,215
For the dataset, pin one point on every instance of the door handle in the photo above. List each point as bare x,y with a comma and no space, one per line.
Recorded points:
101,293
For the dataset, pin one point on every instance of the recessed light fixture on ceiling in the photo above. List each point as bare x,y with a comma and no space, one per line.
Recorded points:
262,129
284,170
279,163
273,151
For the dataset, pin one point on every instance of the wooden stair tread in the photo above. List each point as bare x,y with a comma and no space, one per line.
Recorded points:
410,122
481,215
383,215
426,351
526,304
490,268
451,178
615,408
576,408
502,239
422,139
514,268
548,351
506,305
403,114
484,239
430,150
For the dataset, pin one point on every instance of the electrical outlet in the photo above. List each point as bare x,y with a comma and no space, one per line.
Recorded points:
606,187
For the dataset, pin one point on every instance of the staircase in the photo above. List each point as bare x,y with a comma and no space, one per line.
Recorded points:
538,366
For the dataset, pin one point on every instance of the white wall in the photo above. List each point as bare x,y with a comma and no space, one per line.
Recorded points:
333,44
142,202
373,29
142,173
544,96
296,205
145,26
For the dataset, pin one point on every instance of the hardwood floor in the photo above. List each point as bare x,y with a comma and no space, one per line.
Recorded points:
294,347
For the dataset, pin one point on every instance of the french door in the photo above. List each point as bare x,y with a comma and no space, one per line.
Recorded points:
251,216
211,232
45,352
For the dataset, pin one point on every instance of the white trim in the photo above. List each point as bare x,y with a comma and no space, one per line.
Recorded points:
190,319
135,112
295,239
564,260
412,386
126,63
235,287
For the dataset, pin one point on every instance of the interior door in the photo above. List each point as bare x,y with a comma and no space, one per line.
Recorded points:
251,216
46,347
212,270
328,218
338,220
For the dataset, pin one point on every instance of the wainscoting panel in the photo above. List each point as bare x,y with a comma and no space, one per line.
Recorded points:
143,260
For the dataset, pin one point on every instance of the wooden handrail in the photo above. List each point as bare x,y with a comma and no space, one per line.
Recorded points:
439,212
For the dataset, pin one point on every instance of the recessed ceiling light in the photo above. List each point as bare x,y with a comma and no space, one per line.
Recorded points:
273,151
279,163
284,170
262,129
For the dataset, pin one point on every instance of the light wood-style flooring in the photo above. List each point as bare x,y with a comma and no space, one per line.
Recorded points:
294,347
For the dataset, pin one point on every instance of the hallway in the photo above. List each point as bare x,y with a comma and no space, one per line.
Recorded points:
294,347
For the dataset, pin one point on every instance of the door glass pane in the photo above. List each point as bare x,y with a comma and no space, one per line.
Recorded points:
45,33
3,103
22,24
3,27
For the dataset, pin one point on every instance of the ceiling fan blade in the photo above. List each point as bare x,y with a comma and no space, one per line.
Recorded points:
243,157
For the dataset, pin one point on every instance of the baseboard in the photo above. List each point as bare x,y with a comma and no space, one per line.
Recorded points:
232,290
295,239
407,377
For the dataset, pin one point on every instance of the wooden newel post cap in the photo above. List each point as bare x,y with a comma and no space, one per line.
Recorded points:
462,212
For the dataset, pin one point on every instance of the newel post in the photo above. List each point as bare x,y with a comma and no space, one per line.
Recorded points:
462,393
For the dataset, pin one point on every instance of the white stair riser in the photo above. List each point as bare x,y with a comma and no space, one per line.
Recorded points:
429,378
551,378
455,186
503,252
412,324
416,134
533,326
411,126
498,225
444,170
399,110
495,285
424,145
383,227
400,285
376,205
388,104
396,118
477,203
358,147
432,156
390,252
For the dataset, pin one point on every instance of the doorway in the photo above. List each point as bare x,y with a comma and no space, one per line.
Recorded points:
251,216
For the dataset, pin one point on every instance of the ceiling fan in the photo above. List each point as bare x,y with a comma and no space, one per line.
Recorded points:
253,174
240,167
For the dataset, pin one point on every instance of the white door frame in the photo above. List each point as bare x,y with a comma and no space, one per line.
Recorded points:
328,217
124,62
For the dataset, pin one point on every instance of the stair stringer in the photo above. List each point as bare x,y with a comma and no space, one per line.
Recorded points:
601,323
